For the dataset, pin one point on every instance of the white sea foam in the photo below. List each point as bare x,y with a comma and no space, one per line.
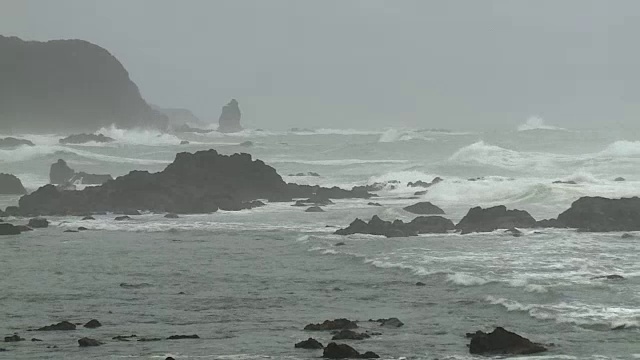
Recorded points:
139,136
393,135
537,123
337,162
465,279
622,148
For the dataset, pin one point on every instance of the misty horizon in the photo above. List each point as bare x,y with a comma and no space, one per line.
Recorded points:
364,64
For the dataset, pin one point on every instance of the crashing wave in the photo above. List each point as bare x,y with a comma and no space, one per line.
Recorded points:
536,123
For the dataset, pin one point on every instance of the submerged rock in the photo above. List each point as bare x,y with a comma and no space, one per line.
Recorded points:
397,228
246,143
599,214
424,208
337,324
11,185
424,184
374,204
314,209
497,217
229,121
88,218
502,342
9,229
38,223
13,338
390,322
11,142
344,351
310,343
350,335
619,179
93,324
181,337
124,337
61,326
609,277
87,342
122,218
85,138
171,216
184,142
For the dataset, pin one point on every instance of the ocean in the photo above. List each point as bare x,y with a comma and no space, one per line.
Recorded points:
247,282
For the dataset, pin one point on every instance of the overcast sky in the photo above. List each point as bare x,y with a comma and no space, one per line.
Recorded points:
368,63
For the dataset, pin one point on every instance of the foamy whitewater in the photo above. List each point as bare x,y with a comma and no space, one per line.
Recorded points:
247,282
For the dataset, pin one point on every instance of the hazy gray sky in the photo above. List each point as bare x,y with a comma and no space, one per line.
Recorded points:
368,63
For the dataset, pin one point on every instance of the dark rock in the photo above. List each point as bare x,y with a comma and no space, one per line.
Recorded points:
124,337
23,228
502,342
82,228
181,337
122,218
570,182
11,142
229,121
13,338
420,193
549,223
619,179
314,209
497,217
424,208
315,174
171,216
514,232
391,322
627,236
424,184
60,173
9,229
246,143
598,214
149,339
420,283
350,335
340,244
70,231
431,225
35,340
87,342
344,351
184,142
11,185
377,226
62,326
310,343
85,138
609,277
38,223
92,324
374,204
88,218
337,324
169,358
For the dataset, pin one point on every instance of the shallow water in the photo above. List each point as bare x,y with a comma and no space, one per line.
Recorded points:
253,279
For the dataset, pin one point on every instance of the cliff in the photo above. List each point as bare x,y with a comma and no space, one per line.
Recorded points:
67,84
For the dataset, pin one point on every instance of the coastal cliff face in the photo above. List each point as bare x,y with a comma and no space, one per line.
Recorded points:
67,84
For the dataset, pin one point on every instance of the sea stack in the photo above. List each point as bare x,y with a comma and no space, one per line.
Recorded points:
229,121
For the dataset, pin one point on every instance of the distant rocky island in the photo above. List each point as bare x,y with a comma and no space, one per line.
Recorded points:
229,121
67,84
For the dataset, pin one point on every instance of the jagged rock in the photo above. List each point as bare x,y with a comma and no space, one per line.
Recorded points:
92,324
549,223
88,218
424,184
13,338
87,342
431,225
497,217
229,121
11,142
171,216
314,209
310,343
619,179
424,208
82,228
337,324
9,229
374,204
181,337
390,322
11,185
344,351
184,142
502,342
350,335
63,326
38,223
85,138
397,228
514,232
609,277
598,214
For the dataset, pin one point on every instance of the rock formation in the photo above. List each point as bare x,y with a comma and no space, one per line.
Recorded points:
502,342
600,214
229,121
11,185
61,174
202,182
497,217
424,208
67,84
85,138
398,228
11,142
